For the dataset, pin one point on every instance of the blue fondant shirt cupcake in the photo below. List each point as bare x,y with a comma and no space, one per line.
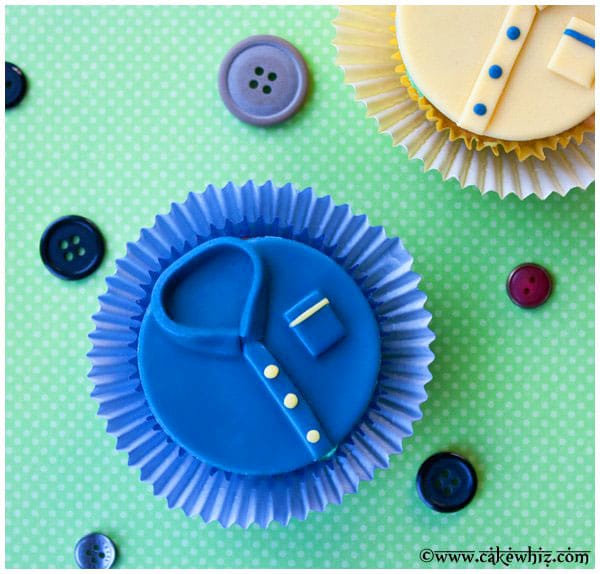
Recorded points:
259,352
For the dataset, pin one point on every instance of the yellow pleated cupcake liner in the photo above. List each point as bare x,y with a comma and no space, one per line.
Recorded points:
366,44
523,149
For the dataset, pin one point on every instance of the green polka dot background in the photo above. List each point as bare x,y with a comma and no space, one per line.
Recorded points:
121,118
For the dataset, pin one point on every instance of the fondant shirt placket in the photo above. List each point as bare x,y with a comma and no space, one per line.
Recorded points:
280,386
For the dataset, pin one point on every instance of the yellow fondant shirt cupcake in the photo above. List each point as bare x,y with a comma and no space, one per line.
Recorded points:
508,72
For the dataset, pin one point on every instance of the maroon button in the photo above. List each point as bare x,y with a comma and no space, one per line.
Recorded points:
529,285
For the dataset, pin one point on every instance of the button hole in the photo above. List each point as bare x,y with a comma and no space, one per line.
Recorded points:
532,279
266,89
69,256
259,71
101,554
8,85
447,491
81,252
526,290
75,239
272,76
64,244
253,84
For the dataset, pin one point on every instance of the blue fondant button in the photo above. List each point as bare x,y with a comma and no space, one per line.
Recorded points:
480,109
513,33
495,71
258,356
95,551
446,482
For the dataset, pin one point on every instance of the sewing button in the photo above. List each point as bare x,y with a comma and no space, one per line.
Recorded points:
313,436
72,247
95,551
290,401
446,482
529,285
15,85
513,33
271,371
263,80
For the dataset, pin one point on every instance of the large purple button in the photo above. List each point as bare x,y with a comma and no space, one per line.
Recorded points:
263,80
529,285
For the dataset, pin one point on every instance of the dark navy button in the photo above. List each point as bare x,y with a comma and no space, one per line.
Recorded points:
263,80
95,551
529,285
446,482
72,247
15,85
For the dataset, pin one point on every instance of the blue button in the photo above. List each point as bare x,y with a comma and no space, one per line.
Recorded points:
480,109
72,247
513,33
95,551
15,85
263,80
495,71
446,482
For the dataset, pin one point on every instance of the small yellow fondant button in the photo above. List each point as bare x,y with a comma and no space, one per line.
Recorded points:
313,436
271,371
290,401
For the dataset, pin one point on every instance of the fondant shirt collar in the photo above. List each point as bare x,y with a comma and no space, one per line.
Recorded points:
224,340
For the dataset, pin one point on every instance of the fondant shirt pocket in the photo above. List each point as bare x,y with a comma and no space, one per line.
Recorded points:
315,323
574,55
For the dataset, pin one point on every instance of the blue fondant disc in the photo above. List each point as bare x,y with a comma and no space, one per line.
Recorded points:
212,397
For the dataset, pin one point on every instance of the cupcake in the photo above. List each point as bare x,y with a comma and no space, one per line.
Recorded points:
259,352
501,97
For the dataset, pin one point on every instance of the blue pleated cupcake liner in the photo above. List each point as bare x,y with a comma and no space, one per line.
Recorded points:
380,266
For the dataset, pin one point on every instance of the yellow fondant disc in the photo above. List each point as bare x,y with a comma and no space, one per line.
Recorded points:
271,371
448,51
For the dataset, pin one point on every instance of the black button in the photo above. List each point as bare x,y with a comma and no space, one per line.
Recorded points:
446,482
72,247
15,85
95,551
263,80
